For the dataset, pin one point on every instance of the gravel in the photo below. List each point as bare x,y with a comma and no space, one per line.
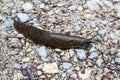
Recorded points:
22,59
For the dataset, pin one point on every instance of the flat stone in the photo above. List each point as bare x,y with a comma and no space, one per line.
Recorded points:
93,55
26,59
50,68
66,65
23,17
81,53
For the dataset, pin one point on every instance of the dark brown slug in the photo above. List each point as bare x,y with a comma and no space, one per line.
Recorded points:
47,38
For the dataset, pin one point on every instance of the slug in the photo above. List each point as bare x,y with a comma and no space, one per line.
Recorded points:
47,38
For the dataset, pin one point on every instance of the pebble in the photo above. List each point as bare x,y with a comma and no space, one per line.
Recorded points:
93,49
42,5
93,55
27,6
66,65
23,17
99,62
93,4
42,52
115,41
39,72
17,65
72,7
50,68
7,23
18,76
81,53
77,28
86,75
117,60
13,52
25,65
106,52
93,25
25,72
102,32
80,8
117,7
26,59
63,74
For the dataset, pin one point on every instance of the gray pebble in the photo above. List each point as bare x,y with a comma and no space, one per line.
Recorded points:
13,52
7,23
25,65
106,52
102,32
42,52
23,17
117,60
93,55
77,28
115,41
72,7
81,53
93,25
17,65
66,65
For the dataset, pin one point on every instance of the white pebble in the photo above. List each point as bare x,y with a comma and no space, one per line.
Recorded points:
102,32
115,41
72,7
86,75
92,49
117,60
7,23
99,62
23,17
39,72
93,4
13,52
92,25
77,28
66,65
42,52
50,68
81,53
93,55
27,6
16,65
42,5
63,74
80,8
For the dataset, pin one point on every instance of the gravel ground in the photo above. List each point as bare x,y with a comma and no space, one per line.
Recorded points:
84,18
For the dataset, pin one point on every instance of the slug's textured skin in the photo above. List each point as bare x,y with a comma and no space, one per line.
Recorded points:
56,40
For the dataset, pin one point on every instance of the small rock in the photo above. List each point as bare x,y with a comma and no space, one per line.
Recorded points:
23,17
27,6
17,66
18,76
115,41
50,68
25,65
93,4
63,74
81,53
42,52
92,49
77,28
13,52
93,25
66,65
102,32
39,72
71,52
80,8
99,62
117,60
39,66
93,55
42,5
86,75
7,23
25,72
117,7
106,52
27,59
72,7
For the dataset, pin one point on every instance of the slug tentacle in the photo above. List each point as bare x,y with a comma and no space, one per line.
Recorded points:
47,38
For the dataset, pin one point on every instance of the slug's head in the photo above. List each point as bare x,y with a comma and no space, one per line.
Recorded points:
21,27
